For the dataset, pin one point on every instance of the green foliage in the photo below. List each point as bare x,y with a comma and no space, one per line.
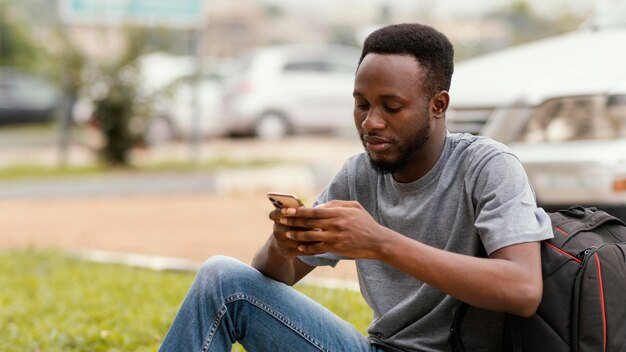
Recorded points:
527,25
113,113
17,48
120,112
49,302
69,65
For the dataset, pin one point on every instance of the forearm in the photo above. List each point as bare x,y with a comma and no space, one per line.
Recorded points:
271,264
490,283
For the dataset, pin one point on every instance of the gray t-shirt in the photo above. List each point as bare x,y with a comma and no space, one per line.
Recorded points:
474,201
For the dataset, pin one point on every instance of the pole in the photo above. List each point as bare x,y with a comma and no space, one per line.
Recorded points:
196,115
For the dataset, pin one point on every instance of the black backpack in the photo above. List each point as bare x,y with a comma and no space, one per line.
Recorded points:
584,289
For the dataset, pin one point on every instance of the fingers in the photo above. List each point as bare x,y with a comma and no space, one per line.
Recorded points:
307,236
340,204
275,215
287,247
311,248
322,217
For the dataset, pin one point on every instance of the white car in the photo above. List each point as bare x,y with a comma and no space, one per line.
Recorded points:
288,89
573,149
585,61
182,106
560,104
190,111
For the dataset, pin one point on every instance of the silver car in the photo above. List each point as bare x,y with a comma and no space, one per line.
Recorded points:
288,89
572,147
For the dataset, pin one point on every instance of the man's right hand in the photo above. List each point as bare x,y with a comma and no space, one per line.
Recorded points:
284,246
277,258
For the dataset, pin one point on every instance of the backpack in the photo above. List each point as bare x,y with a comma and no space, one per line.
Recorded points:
583,307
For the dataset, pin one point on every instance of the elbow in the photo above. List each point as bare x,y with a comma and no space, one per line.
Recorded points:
528,311
528,300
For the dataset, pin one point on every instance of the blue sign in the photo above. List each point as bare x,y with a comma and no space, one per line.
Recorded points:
148,12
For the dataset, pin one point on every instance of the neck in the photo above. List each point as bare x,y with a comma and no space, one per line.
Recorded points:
423,160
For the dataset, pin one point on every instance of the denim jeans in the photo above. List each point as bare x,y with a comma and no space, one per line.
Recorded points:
230,301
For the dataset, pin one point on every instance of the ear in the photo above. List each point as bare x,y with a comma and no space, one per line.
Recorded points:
439,104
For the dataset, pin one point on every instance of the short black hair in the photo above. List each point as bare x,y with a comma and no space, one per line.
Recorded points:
431,48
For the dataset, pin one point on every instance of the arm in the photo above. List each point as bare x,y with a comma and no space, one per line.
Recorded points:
509,280
277,258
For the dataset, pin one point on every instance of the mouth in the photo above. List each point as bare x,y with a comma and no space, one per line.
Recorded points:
375,144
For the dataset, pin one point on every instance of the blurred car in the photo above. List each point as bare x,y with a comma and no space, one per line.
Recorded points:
573,148
288,89
560,104
168,83
590,59
26,98
174,116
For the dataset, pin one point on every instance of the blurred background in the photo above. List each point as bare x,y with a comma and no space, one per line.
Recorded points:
187,71
198,103
147,132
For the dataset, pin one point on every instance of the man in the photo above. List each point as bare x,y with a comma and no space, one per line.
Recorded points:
430,218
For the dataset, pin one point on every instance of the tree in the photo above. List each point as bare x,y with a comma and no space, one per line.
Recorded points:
18,48
526,25
120,111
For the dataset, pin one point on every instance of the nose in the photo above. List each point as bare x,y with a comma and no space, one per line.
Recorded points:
373,121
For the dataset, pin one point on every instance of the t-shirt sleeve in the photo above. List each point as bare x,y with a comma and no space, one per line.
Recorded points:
506,210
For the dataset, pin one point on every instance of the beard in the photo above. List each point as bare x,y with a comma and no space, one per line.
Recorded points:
406,153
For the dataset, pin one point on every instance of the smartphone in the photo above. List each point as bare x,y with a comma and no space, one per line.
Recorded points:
284,200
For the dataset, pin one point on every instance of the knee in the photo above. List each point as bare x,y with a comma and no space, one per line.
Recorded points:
219,264
221,269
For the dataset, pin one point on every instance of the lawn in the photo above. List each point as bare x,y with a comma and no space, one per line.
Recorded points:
27,171
51,302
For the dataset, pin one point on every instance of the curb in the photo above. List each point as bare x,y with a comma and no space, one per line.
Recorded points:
164,263
296,177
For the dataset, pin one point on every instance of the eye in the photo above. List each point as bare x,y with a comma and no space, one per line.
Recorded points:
393,109
361,105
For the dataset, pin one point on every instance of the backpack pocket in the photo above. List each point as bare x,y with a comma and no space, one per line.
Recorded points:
601,300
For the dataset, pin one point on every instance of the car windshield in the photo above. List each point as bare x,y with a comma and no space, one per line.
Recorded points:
576,118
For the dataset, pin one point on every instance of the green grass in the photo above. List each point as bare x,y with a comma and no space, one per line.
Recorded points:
50,302
37,129
15,172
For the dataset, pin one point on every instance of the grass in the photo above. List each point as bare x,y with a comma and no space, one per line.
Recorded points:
38,129
16,172
50,302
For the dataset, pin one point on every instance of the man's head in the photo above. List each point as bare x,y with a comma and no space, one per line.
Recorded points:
401,97
429,47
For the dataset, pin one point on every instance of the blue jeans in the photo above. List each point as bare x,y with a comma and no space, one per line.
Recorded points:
230,301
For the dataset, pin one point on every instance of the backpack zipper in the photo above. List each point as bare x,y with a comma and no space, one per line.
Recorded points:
582,255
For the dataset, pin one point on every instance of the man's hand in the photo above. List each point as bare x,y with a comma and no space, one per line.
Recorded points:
341,227
284,246
277,258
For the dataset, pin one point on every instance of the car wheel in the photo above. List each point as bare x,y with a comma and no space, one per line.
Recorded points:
272,125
